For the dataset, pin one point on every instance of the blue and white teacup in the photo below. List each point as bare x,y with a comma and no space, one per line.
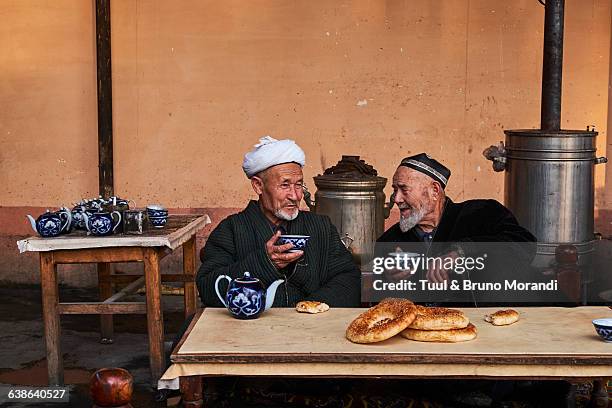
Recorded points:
299,241
158,222
102,223
156,211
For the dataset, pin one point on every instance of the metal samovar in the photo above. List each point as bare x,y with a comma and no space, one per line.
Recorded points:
549,180
351,195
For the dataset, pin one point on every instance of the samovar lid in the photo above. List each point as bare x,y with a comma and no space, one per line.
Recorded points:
351,169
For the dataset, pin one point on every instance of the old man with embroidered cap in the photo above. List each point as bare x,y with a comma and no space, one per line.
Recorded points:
428,215
247,241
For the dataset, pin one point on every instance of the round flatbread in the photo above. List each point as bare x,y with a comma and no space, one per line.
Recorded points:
439,318
503,317
382,321
442,336
311,306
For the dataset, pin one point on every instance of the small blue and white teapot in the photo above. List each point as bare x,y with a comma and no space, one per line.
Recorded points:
102,223
246,297
51,224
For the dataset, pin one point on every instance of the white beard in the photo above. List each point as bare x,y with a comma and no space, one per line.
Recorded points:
409,222
280,214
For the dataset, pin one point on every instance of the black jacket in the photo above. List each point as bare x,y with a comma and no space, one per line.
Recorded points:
325,273
478,227
469,221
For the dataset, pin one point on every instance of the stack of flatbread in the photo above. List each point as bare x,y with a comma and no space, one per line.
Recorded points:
439,324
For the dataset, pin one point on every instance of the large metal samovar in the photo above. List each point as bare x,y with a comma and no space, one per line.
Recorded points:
351,195
549,183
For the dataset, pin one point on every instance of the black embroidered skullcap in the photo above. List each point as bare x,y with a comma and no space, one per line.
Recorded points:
429,166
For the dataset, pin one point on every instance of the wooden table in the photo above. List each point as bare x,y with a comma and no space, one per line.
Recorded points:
547,343
148,248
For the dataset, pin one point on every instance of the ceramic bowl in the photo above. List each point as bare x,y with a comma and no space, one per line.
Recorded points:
603,327
403,259
156,211
158,222
299,241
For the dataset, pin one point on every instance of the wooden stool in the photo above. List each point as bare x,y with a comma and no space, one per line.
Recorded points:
111,388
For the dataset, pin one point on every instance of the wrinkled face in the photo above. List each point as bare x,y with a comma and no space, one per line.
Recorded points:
413,196
280,191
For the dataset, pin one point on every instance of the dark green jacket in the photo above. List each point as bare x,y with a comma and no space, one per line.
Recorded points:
325,273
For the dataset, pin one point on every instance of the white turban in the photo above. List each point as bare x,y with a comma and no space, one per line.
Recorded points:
270,152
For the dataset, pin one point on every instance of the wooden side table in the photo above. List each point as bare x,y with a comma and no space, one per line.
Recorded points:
148,248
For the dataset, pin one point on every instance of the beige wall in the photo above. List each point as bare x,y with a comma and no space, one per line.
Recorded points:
48,128
196,83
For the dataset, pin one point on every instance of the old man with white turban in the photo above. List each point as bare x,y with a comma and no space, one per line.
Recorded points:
248,241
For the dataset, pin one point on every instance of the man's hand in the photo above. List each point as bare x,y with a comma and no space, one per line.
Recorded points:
277,255
439,274
396,275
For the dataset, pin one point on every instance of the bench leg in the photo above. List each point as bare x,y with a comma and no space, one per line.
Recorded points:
106,290
189,264
191,391
51,318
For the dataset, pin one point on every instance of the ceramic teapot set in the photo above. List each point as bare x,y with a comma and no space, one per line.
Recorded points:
98,216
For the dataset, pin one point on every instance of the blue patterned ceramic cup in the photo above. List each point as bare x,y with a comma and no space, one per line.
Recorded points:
158,222
403,260
603,327
299,241
156,211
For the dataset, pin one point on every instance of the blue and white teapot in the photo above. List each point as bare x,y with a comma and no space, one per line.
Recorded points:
102,223
246,297
51,224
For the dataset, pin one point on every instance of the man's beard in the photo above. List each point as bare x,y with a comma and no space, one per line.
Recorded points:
282,215
407,223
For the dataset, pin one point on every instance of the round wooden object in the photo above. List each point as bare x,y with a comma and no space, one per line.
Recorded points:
111,387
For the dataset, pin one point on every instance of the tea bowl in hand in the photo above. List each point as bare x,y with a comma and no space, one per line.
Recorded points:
299,241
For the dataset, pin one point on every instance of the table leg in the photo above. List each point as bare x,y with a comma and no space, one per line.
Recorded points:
189,265
155,317
599,398
51,318
191,391
106,290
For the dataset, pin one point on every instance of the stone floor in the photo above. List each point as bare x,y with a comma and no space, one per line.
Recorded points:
22,362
